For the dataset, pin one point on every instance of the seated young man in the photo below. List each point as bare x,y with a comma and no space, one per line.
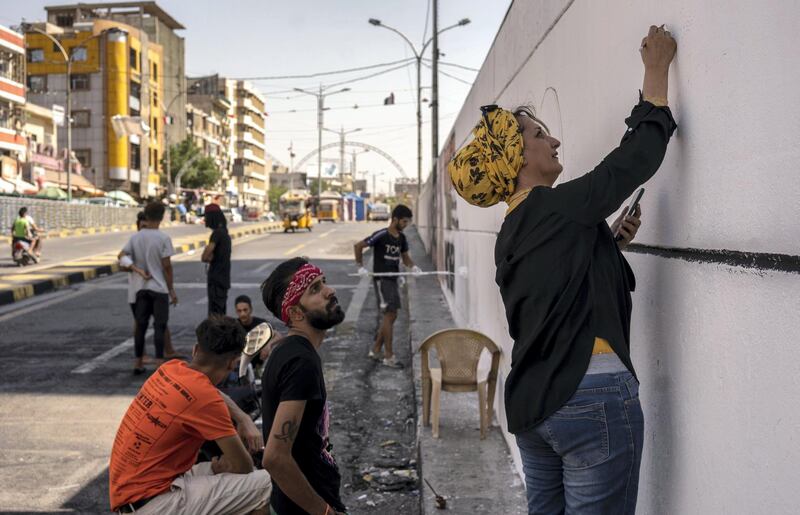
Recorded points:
152,467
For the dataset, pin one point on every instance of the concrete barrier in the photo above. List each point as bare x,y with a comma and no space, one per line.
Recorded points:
56,215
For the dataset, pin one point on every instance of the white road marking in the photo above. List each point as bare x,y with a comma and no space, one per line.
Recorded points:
357,302
296,248
107,355
263,268
204,300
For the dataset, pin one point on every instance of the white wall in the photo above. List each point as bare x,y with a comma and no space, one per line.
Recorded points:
714,345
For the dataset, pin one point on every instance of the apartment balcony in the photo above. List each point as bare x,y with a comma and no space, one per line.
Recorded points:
10,89
250,155
244,168
249,138
251,106
251,123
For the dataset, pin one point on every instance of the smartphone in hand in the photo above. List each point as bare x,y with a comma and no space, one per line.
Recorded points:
631,209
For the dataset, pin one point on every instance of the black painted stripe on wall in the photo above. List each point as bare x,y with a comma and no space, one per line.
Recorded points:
753,260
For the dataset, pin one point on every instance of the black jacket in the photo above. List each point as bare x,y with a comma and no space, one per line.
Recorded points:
563,279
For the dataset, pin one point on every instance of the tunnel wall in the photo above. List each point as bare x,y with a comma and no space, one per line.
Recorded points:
714,333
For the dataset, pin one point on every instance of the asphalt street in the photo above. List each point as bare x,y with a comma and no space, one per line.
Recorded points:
66,372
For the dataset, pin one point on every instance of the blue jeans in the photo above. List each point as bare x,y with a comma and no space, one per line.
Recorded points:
584,458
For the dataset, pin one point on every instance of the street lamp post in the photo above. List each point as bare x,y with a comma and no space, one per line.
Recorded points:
418,56
166,138
354,169
320,107
26,27
342,133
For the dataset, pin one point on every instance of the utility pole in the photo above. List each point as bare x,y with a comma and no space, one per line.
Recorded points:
320,108
434,96
342,133
291,165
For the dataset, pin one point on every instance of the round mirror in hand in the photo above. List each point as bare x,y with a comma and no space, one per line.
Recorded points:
255,341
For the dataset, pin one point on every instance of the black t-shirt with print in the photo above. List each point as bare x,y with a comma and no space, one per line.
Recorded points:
219,270
388,250
294,373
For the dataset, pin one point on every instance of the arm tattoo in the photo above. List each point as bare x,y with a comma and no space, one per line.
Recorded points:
288,431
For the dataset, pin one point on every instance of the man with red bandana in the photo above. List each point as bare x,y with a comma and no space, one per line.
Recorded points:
296,419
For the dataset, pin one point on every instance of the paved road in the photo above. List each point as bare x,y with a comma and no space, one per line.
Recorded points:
57,425
59,250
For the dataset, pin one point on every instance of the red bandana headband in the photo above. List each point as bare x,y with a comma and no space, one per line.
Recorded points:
300,282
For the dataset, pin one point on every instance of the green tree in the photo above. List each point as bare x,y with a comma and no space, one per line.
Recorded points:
203,171
275,193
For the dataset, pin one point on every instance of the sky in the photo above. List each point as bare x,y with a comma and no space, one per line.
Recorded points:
254,39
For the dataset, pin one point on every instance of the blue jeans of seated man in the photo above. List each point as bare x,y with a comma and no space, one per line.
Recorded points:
584,459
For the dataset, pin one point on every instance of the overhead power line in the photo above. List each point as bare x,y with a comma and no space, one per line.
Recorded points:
365,77
454,65
332,72
459,79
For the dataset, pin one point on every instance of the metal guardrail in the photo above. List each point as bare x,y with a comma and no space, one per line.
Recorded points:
55,215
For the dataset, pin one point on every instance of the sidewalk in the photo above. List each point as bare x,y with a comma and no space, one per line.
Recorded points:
474,475
19,286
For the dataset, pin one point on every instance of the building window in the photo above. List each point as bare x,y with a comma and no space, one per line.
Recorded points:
155,72
154,127
84,157
136,157
65,20
135,98
155,98
134,58
37,83
79,54
155,160
79,82
81,118
35,55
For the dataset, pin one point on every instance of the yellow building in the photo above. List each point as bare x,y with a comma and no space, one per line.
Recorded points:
116,71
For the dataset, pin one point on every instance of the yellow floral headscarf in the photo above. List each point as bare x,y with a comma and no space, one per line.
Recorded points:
485,171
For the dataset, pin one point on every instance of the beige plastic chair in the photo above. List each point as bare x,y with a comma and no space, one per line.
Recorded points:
459,352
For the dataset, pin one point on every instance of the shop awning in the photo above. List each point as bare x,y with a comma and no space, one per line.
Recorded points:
78,182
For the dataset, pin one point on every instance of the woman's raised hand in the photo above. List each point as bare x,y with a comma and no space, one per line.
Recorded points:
658,48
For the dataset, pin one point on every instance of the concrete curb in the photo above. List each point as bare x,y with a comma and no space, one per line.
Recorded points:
16,287
83,231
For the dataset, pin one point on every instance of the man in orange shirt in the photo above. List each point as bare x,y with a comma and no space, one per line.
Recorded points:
152,467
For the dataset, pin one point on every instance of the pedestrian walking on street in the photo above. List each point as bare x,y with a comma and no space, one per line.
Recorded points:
571,397
389,246
153,468
296,419
218,256
136,278
150,250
